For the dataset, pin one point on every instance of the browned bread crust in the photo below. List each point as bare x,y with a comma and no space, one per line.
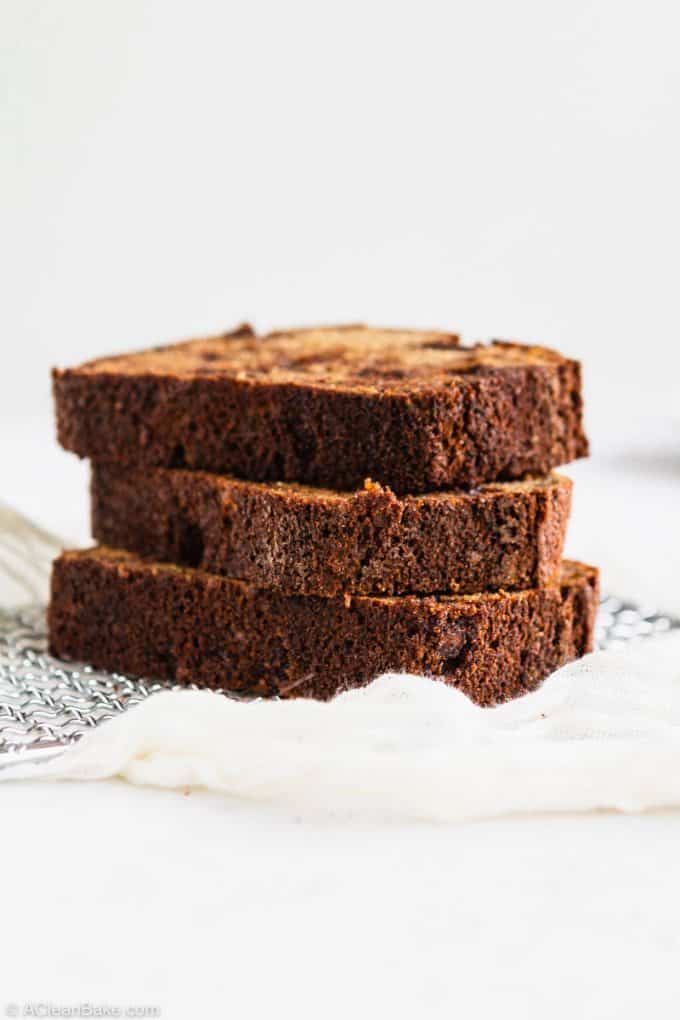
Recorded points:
330,407
117,612
316,541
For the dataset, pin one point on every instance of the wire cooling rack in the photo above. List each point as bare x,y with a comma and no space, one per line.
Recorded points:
47,704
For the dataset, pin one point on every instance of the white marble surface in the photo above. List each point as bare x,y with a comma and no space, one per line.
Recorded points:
211,909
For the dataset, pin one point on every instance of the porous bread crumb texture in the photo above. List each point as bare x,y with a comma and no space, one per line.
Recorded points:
116,612
414,411
303,540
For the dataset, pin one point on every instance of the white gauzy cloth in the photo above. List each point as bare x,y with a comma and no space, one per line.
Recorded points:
601,733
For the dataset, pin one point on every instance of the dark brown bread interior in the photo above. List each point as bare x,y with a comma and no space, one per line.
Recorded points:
118,613
316,541
414,411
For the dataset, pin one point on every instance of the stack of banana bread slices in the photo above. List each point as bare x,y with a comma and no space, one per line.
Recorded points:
293,514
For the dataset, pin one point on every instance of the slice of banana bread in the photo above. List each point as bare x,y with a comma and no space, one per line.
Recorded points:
120,613
320,542
413,410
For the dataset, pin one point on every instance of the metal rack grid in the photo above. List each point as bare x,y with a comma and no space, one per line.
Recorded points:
47,704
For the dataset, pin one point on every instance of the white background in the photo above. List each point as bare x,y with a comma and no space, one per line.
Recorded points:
508,169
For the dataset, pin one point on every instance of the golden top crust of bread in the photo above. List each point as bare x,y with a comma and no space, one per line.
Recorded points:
357,356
